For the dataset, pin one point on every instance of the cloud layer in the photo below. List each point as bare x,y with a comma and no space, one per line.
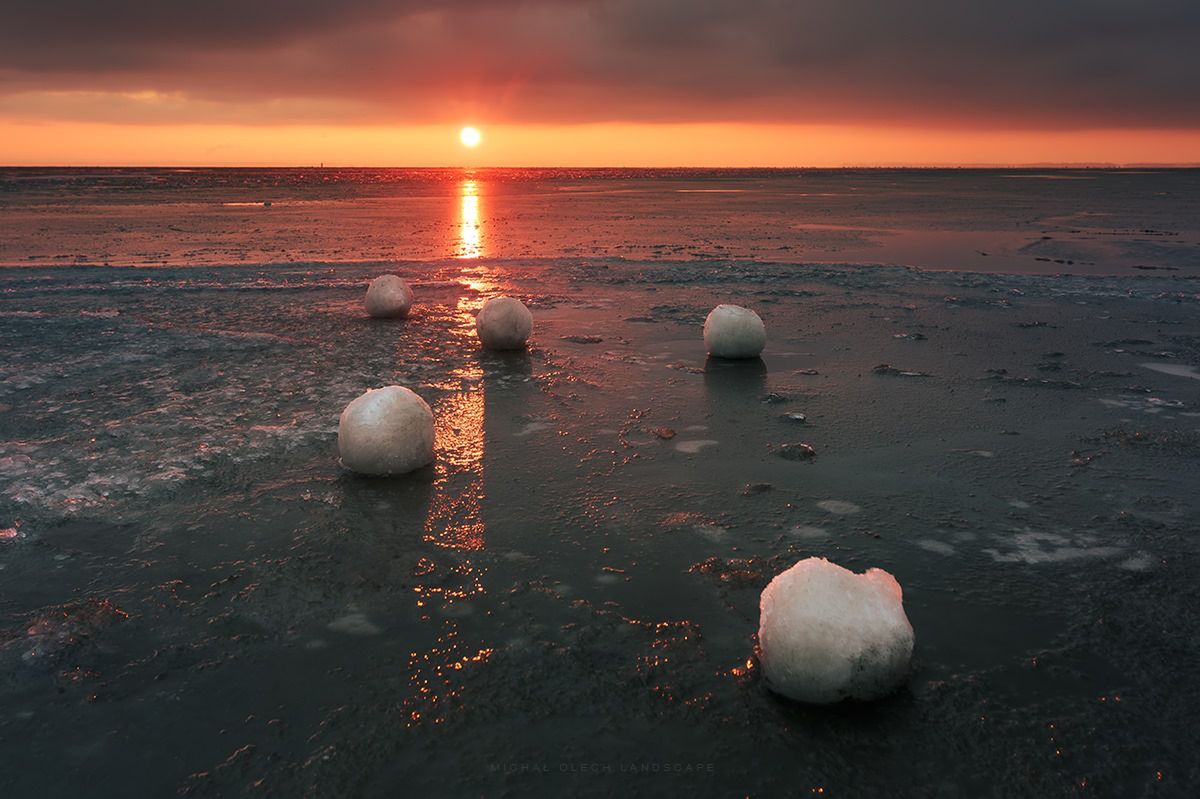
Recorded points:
1017,64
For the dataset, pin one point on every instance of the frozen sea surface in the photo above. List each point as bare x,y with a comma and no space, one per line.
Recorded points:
197,598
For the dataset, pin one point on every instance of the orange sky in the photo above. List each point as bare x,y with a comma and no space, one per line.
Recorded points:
64,142
599,82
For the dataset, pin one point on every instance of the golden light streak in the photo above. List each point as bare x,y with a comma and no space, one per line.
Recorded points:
470,244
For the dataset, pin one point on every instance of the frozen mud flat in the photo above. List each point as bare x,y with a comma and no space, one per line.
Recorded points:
197,597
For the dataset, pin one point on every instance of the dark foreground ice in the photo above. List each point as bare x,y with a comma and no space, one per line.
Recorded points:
196,598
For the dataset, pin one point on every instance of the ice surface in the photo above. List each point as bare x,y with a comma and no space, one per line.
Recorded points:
168,443
828,634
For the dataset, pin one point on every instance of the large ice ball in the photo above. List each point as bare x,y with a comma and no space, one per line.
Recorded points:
388,430
731,331
388,295
504,324
826,633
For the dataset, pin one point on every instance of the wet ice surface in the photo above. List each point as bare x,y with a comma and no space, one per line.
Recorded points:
197,598
1090,222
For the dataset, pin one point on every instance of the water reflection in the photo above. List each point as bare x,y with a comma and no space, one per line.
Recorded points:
470,241
454,520
450,581
729,383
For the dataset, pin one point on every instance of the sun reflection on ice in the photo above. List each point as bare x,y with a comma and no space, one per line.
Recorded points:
470,240
455,519
447,583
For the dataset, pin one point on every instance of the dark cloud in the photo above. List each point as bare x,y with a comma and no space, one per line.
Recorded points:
1019,63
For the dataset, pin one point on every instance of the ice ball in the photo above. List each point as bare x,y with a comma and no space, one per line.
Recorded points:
388,296
386,431
504,324
827,634
731,331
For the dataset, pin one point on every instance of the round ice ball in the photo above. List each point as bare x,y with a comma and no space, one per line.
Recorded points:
827,634
388,430
504,324
388,295
731,331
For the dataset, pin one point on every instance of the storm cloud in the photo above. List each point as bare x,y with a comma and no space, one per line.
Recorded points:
1020,63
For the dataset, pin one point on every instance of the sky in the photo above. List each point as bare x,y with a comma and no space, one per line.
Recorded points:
600,82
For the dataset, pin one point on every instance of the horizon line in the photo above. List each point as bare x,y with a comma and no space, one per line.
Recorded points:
1101,165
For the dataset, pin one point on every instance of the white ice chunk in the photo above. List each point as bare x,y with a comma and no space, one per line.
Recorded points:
388,295
731,331
504,324
828,634
386,431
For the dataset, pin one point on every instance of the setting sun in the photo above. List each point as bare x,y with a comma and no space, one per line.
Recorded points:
470,137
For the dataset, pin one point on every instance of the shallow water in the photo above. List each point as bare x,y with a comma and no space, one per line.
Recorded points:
198,598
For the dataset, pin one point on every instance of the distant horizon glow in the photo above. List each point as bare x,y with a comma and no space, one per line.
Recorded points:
67,143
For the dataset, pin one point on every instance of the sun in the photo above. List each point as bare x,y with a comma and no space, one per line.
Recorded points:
470,137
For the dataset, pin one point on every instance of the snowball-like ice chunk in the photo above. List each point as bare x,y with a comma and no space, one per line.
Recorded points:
388,295
388,430
504,324
731,331
826,633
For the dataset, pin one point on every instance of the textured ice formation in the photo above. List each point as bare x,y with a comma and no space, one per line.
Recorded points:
386,431
731,331
828,634
504,323
388,296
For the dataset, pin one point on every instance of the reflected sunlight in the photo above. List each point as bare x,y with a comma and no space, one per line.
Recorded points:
445,588
469,240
